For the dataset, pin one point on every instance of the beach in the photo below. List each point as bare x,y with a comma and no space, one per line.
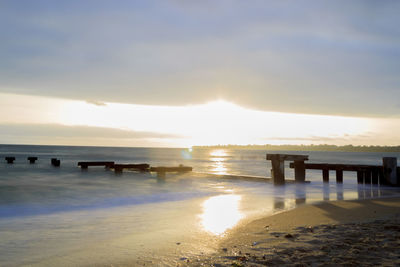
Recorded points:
65,216
334,233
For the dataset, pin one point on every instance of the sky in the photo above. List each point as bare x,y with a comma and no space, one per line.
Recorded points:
182,73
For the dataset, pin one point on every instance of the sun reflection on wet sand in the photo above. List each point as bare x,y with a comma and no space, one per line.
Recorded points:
221,213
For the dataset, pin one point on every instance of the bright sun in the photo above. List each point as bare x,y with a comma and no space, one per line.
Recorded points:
217,122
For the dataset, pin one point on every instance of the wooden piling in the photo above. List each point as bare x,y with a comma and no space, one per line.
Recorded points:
374,176
360,177
32,159
278,173
339,176
278,167
390,170
10,160
299,171
367,177
325,175
381,177
55,162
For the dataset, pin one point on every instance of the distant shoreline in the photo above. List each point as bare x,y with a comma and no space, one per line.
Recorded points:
322,148
305,148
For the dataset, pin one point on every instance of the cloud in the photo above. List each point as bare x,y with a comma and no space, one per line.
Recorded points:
96,103
62,131
321,57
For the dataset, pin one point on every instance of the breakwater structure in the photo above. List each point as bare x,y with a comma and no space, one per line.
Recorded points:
386,174
118,168
142,167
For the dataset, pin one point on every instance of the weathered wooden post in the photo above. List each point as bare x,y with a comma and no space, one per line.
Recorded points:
299,171
325,175
55,162
381,177
10,160
360,177
390,170
32,159
367,176
339,176
278,168
118,168
374,176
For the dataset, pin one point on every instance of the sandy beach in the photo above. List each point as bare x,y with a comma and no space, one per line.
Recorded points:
335,233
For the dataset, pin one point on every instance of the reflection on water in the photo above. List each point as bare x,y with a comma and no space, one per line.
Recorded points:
221,213
218,153
218,158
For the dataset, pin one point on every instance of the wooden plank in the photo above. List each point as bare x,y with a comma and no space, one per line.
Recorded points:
334,167
171,169
139,167
85,164
286,157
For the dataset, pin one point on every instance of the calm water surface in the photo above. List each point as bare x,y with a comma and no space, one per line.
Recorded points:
65,216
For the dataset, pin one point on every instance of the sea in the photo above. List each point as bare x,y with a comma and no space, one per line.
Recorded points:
65,216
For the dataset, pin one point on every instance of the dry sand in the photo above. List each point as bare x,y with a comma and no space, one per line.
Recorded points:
336,233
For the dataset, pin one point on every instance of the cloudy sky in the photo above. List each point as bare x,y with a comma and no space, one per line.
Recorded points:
179,73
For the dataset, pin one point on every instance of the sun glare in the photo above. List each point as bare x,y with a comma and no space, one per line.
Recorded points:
218,122
221,213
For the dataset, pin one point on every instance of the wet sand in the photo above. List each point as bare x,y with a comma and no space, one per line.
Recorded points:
335,233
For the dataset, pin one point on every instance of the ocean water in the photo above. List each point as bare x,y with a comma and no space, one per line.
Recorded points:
66,216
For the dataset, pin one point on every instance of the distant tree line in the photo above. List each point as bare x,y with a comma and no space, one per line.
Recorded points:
324,147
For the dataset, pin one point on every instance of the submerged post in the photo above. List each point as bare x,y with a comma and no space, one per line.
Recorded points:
390,170
55,162
10,160
32,159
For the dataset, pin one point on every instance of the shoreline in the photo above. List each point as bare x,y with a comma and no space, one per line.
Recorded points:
340,232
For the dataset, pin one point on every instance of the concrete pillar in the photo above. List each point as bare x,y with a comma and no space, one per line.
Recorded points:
390,170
